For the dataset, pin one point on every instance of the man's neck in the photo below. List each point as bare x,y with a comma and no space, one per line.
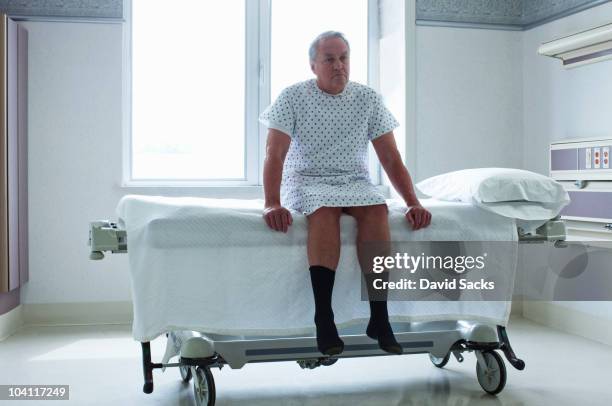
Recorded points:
331,90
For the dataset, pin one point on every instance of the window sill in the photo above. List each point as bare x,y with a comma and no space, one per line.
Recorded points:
210,191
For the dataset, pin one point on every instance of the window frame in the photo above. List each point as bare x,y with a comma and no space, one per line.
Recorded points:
257,98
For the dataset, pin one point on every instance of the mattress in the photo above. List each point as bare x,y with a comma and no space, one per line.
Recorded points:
213,265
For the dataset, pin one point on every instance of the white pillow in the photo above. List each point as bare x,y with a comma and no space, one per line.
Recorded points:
508,192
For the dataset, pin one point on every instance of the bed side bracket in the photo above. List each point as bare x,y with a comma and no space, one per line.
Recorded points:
505,346
106,236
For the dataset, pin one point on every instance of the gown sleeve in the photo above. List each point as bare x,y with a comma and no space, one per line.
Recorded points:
381,121
280,115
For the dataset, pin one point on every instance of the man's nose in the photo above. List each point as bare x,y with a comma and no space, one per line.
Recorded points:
338,64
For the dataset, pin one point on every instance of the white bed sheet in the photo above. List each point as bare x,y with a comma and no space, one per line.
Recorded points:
212,265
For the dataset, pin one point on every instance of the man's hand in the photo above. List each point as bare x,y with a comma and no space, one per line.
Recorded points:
418,217
277,218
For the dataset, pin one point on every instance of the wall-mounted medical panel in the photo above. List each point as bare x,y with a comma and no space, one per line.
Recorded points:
588,46
591,204
584,159
13,155
564,159
582,166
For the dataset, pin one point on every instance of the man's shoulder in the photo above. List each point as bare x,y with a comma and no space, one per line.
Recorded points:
363,90
298,88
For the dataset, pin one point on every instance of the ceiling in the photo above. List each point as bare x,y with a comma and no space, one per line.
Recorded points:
498,14
495,14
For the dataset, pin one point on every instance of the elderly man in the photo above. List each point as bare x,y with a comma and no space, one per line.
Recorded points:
317,151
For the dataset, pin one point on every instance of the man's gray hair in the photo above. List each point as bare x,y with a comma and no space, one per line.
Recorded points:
314,46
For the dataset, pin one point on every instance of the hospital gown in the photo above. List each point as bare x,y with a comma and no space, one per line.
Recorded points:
327,160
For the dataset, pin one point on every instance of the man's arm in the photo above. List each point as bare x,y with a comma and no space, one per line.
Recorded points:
277,145
391,161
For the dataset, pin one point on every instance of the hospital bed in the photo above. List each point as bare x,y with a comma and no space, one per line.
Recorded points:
208,243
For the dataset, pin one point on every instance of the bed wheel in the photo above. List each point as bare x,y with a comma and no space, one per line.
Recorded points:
185,373
490,371
203,386
439,362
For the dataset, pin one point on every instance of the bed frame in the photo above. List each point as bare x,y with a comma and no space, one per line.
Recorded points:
199,352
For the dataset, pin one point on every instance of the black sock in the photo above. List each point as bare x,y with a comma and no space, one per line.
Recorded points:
322,280
379,327
378,312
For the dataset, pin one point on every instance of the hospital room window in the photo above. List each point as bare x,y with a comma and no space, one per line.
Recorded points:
197,83
289,45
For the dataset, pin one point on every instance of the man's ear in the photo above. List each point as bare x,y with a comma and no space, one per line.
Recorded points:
312,67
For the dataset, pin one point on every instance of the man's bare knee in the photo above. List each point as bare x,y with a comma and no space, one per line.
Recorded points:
324,237
324,224
373,224
325,215
376,213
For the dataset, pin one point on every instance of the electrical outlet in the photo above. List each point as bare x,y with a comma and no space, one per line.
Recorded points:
596,158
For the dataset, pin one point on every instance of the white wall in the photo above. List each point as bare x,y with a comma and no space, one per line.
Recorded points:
392,66
74,159
559,103
469,99
392,72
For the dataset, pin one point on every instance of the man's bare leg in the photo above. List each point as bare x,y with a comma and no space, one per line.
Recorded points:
324,237
373,237
323,257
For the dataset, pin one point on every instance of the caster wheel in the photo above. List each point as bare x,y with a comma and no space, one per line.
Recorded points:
185,373
204,387
439,362
491,378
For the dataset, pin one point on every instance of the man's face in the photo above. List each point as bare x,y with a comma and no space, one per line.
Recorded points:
331,66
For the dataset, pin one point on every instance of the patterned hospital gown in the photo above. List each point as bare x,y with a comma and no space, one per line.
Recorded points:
327,161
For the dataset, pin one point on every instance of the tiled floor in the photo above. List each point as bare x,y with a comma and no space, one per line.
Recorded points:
102,365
